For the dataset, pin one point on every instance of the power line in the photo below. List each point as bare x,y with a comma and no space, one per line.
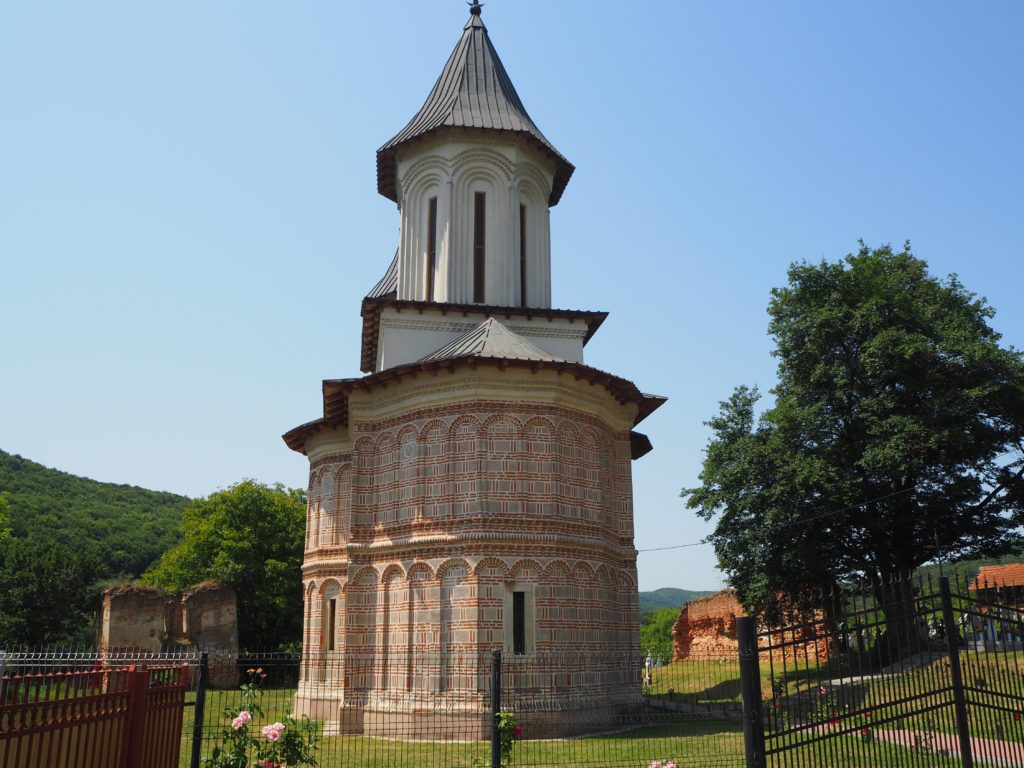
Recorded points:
797,522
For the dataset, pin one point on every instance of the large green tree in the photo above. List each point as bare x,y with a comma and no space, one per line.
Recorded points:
656,631
249,536
896,434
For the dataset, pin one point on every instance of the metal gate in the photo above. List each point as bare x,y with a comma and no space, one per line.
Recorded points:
104,717
906,673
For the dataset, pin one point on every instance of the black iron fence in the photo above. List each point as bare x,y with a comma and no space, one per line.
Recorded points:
904,674
456,710
907,673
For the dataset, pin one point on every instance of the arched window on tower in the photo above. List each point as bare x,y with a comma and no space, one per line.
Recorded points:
523,240
314,492
327,509
479,247
431,266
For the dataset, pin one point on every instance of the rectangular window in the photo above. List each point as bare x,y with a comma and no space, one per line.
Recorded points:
518,622
522,255
332,608
431,245
479,207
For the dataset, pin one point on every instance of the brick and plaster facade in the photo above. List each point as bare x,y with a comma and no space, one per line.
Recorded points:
473,492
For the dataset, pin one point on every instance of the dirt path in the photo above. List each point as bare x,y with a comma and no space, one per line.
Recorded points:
989,751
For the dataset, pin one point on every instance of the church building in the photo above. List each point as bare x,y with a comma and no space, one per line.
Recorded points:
472,492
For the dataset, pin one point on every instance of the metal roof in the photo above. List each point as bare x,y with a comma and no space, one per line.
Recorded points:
388,283
373,306
491,339
993,576
336,391
473,91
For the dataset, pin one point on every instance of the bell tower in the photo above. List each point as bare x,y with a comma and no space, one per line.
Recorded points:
473,178
473,491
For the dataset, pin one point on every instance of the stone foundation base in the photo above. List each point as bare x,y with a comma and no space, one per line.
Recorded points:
339,718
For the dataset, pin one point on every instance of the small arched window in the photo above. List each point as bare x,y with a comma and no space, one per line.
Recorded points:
479,241
523,293
327,507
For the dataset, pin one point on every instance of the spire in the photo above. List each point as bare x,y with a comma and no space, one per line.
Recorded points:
474,91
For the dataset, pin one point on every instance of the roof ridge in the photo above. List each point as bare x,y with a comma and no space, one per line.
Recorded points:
490,339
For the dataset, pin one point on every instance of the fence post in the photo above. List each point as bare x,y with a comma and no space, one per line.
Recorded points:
959,697
197,715
750,689
495,710
138,692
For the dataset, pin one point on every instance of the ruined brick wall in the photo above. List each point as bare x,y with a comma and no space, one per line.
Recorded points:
135,617
706,629
210,617
204,617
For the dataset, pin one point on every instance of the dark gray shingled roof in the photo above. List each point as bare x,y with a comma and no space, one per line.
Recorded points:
491,339
473,91
388,283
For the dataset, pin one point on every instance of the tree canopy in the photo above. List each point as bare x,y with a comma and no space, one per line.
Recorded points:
47,590
896,434
656,631
48,594
249,536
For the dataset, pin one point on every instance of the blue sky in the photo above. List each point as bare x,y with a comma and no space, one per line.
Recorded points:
189,217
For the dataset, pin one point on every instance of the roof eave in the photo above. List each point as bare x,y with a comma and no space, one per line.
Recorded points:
387,162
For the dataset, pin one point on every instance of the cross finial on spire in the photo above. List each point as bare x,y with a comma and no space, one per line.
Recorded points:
475,7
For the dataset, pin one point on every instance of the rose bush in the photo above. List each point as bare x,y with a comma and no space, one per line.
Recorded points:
288,744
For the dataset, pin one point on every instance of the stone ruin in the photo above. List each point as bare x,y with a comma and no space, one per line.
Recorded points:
706,629
203,618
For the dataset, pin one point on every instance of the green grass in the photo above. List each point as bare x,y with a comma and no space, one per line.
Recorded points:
688,739
924,695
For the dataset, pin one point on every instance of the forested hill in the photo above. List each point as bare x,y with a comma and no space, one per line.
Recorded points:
128,528
668,597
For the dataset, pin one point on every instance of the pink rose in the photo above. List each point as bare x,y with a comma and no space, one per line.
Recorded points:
654,764
245,717
273,732
237,723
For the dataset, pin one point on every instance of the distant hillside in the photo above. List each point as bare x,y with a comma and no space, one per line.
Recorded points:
667,597
127,527
965,570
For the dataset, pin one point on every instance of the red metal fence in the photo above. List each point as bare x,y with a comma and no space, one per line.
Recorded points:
99,718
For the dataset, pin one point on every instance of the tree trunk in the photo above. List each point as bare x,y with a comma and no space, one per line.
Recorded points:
905,630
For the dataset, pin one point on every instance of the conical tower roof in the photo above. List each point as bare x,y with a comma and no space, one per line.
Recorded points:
473,91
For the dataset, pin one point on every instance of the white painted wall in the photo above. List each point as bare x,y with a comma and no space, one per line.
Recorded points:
409,335
453,166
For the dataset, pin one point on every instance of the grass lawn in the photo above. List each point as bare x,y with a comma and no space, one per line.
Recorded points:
995,683
683,737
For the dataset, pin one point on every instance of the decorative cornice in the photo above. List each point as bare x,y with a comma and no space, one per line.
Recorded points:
374,307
